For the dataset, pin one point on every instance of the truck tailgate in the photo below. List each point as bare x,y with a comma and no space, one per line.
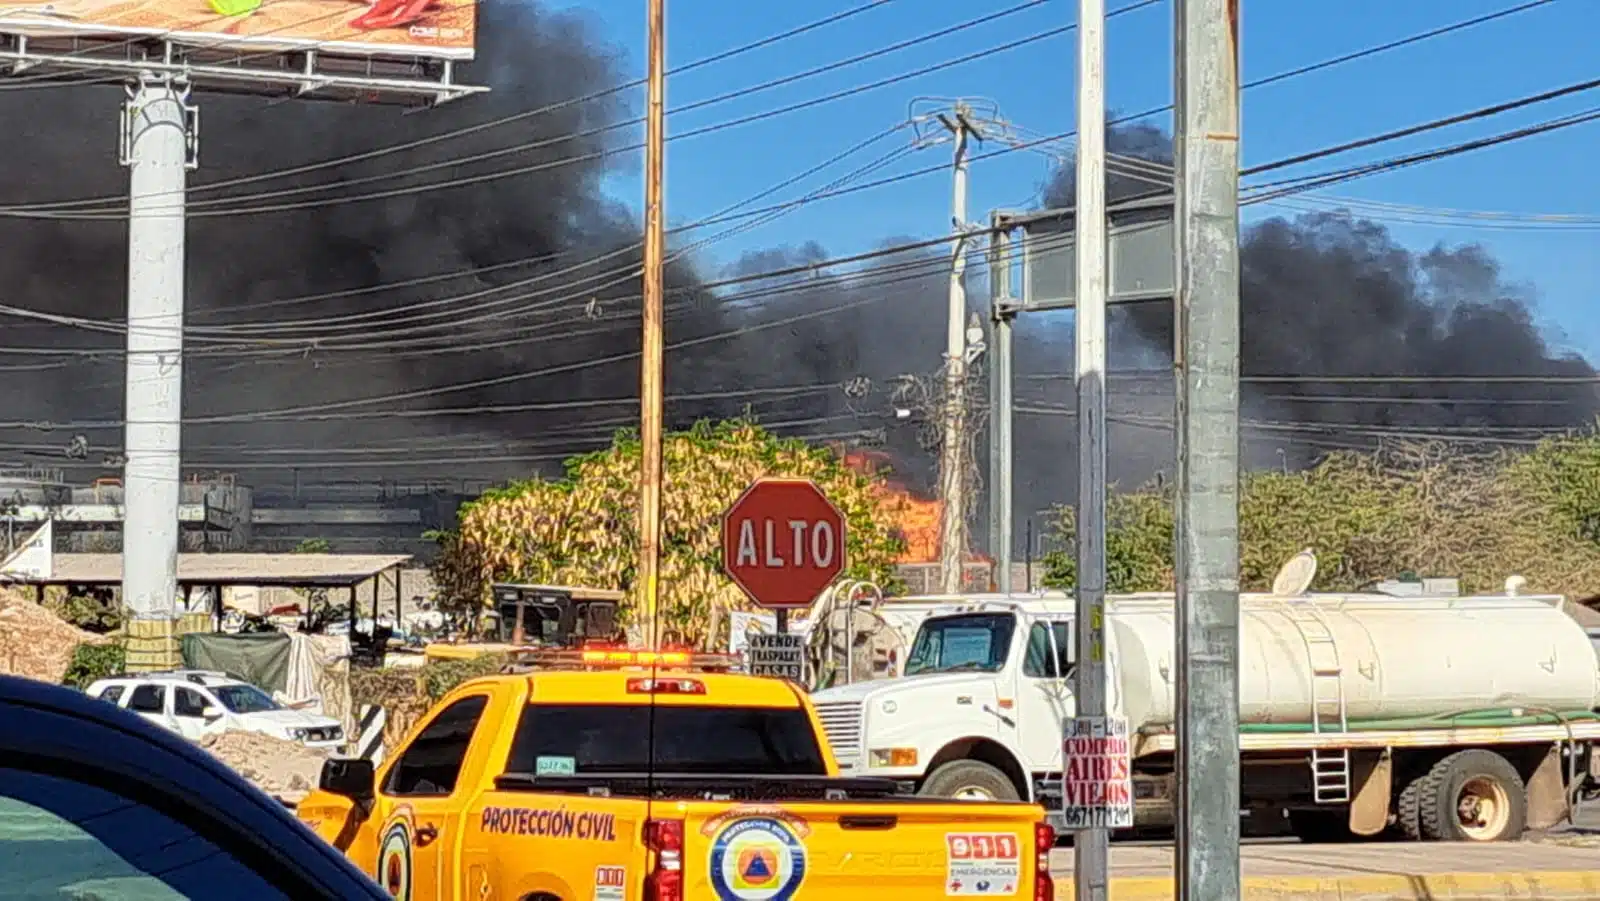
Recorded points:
839,850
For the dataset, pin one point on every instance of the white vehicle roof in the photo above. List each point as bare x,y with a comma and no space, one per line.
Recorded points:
203,678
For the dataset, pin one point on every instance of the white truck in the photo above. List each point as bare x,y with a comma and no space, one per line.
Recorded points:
1445,718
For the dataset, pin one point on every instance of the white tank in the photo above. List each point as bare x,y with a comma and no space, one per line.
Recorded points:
1398,657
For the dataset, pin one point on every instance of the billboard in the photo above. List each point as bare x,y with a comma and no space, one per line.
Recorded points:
442,29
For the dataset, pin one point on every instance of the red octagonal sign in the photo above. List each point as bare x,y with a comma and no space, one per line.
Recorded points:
783,542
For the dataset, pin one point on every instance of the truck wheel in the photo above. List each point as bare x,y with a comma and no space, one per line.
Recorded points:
969,780
1408,809
1472,796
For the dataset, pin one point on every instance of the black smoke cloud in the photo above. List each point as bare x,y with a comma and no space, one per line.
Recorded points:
1377,307
1335,296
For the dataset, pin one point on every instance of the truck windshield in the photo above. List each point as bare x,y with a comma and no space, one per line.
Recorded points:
976,642
609,738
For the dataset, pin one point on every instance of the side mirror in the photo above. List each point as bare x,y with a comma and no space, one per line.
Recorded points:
211,712
353,778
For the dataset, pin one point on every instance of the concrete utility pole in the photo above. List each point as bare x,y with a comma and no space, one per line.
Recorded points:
158,147
1001,320
651,362
953,449
1206,356
960,122
1091,848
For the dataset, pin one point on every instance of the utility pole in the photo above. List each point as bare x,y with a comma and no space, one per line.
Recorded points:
652,352
158,147
963,123
1206,352
1091,848
952,450
1001,454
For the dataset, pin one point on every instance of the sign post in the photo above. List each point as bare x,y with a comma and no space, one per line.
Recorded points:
783,542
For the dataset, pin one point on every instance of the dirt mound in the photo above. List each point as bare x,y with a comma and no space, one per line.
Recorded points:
35,642
283,769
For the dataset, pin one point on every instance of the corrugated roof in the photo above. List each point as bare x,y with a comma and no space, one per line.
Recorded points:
324,570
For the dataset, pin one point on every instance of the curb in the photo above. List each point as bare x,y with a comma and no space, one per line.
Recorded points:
1539,885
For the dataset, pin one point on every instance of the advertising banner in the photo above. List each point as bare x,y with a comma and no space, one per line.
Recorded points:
1097,786
443,29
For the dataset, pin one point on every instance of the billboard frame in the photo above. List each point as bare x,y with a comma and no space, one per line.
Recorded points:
1006,304
273,67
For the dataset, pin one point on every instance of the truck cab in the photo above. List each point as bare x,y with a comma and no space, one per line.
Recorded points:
978,713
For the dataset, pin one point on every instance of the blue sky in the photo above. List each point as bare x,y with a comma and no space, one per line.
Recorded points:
1532,51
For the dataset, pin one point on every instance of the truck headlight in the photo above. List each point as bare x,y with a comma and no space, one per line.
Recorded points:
892,756
297,734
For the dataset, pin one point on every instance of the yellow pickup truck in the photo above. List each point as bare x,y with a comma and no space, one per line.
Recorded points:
646,776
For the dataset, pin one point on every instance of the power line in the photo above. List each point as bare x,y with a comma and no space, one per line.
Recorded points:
41,211
1327,63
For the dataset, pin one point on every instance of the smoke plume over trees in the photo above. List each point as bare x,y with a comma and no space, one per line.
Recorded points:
329,301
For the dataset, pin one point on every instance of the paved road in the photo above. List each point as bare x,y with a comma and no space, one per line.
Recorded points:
1562,865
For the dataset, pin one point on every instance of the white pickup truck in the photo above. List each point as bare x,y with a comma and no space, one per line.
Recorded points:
1450,718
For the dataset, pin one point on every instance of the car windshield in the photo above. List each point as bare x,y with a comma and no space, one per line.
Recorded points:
975,642
244,698
614,738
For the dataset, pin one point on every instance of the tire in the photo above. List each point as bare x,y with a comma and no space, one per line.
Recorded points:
1322,827
1408,809
1472,796
969,780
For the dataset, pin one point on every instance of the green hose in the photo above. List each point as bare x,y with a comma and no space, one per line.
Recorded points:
1492,718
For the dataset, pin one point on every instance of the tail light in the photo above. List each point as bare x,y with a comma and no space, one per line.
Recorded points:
1044,838
664,839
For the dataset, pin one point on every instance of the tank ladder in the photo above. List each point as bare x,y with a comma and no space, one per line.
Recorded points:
1330,769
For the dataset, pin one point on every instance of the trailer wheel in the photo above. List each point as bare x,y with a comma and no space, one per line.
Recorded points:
1473,796
969,780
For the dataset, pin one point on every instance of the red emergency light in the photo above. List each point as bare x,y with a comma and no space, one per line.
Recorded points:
603,657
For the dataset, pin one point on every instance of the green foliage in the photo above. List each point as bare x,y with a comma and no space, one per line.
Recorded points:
1410,508
1138,543
582,529
87,613
439,679
91,662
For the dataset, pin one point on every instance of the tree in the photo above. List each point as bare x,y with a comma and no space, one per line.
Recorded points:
583,529
1428,508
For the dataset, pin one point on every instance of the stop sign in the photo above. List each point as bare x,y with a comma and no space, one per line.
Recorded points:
783,542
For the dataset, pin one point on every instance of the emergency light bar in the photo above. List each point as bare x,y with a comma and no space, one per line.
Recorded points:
623,658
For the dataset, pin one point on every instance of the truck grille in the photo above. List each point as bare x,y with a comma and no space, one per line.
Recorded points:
842,721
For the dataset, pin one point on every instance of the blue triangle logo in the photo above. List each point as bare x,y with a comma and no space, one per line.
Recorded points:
758,868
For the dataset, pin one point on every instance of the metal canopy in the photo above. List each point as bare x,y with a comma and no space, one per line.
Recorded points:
1140,251
291,570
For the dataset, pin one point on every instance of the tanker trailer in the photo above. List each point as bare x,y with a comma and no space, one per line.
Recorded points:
1443,718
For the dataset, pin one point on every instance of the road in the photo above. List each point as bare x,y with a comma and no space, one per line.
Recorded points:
1561,866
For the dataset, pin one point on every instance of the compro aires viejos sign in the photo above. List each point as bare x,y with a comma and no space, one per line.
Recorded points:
1097,774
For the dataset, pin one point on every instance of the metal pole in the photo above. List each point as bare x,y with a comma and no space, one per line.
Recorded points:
1000,407
157,146
1206,353
952,457
652,351
1091,848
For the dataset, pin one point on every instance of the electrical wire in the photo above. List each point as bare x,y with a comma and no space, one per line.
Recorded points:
46,210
